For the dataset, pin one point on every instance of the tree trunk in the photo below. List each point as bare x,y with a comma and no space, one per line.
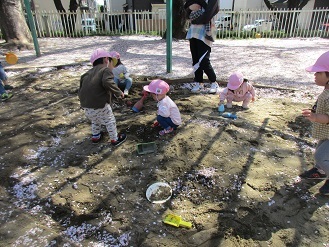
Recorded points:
13,24
179,20
290,22
297,4
68,20
73,15
268,4
292,4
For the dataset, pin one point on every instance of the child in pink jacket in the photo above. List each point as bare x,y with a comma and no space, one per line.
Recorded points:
238,89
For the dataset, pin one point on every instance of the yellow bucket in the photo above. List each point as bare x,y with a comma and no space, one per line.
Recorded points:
11,58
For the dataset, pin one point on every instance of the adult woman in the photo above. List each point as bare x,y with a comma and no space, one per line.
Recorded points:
200,46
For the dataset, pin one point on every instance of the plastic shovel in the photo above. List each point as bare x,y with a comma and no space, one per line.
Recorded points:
175,220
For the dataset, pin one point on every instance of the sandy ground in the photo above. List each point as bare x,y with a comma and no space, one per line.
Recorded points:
236,181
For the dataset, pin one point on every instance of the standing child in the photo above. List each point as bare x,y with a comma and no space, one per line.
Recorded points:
95,94
319,115
238,89
195,9
121,75
168,115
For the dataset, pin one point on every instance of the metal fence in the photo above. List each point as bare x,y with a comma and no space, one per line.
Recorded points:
273,23
54,24
230,24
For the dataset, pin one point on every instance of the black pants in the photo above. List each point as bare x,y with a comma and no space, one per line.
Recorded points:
198,48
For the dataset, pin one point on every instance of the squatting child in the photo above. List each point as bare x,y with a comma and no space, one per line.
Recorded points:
168,115
319,115
120,73
95,94
4,85
238,89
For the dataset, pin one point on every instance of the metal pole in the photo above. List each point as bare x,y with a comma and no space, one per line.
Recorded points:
169,35
31,23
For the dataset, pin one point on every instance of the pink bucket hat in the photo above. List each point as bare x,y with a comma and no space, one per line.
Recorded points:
157,86
98,53
235,81
321,65
115,54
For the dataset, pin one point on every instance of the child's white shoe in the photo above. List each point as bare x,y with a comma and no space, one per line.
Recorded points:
245,106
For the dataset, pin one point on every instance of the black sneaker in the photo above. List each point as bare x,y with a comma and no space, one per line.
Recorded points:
121,139
313,174
324,190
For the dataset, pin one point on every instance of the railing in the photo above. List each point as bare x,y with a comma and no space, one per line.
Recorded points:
230,24
273,23
54,24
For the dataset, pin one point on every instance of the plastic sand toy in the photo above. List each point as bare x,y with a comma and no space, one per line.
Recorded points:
11,58
146,148
221,108
229,115
138,106
159,192
176,220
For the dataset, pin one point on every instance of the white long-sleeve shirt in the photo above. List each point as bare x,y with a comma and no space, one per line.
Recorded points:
168,108
120,69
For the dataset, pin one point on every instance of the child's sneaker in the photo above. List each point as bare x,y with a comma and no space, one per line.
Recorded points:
121,139
166,131
313,174
6,96
245,106
8,87
96,138
324,190
155,124
126,92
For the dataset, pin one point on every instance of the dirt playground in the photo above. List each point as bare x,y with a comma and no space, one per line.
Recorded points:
236,181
